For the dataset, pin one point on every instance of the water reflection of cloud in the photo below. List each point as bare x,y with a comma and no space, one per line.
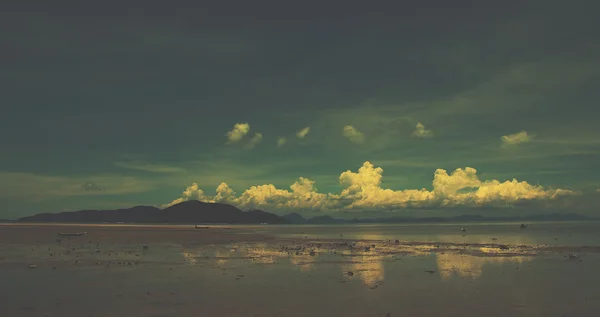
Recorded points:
367,263
261,253
482,239
470,266
189,257
365,256
222,256
369,269
303,261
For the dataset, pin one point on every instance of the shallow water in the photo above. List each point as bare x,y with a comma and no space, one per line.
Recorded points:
552,233
307,274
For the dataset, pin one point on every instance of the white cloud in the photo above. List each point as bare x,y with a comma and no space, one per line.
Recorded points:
281,141
448,185
516,139
302,133
421,132
238,132
362,190
352,134
254,141
192,192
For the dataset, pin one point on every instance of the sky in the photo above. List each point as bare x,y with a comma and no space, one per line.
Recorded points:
415,108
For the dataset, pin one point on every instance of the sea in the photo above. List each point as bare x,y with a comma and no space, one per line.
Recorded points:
488,269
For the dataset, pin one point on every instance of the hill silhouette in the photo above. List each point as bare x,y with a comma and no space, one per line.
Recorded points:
295,218
192,211
198,212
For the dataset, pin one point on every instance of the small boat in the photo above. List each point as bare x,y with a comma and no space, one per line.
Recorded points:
523,226
463,229
71,234
201,227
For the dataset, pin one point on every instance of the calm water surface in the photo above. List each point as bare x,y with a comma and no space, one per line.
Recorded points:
552,233
308,276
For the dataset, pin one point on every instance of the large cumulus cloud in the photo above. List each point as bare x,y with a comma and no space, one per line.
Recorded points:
361,190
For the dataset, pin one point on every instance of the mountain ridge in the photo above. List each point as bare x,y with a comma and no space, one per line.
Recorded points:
194,211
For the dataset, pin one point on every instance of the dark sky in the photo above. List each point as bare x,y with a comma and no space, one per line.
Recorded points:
112,104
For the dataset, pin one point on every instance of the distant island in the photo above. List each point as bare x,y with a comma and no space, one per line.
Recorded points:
192,211
197,212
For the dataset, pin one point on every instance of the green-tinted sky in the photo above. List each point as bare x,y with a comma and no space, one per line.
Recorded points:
113,104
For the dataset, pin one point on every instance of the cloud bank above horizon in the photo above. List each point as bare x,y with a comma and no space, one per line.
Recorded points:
362,191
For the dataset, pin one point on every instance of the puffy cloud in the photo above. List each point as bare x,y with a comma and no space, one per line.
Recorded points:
362,190
281,141
353,134
238,132
302,133
448,189
421,132
302,196
192,192
254,141
225,194
445,185
516,139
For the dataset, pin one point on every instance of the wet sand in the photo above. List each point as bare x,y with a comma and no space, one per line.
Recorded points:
130,234
220,271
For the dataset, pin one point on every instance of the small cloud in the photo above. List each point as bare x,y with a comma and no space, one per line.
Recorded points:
352,134
91,187
421,132
516,139
238,132
281,141
255,140
302,133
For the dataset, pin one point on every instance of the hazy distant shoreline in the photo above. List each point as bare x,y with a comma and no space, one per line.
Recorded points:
198,212
233,225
